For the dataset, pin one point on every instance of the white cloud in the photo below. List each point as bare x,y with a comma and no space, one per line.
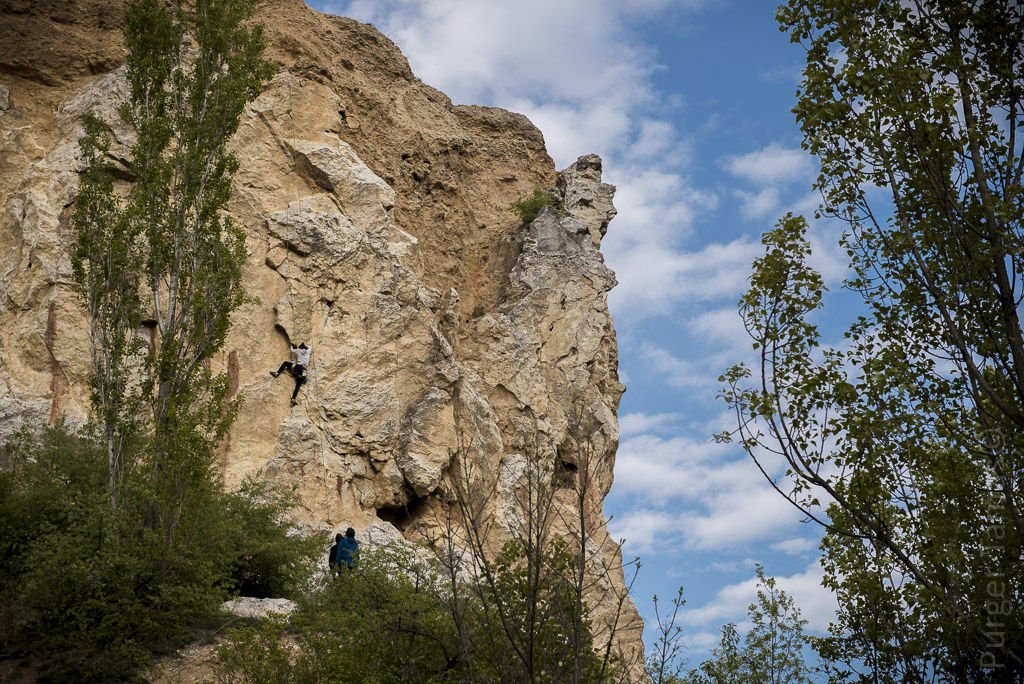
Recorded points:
655,278
728,605
796,546
637,423
771,165
763,204
817,605
746,511
721,333
722,326
702,642
659,141
660,469
807,204
483,50
718,499
570,130
574,67
674,371
645,530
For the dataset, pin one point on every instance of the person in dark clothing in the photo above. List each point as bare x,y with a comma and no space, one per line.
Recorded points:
297,369
348,550
332,555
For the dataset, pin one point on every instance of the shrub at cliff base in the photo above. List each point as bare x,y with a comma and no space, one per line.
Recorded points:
87,588
399,618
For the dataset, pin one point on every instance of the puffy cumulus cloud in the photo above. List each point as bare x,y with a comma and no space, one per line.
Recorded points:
702,641
662,469
570,131
717,499
645,530
728,605
493,51
722,326
654,279
772,165
674,371
740,514
817,605
769,170
763,204
637,423
659,141
714,330
575,67
796,546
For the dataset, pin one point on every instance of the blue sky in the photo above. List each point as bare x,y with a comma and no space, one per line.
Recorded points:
688,102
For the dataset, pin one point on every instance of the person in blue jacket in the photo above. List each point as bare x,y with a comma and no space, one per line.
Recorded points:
344,552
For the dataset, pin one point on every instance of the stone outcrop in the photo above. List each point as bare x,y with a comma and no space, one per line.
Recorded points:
248,607
379,232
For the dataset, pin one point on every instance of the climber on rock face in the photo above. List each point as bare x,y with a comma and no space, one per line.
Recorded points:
297,369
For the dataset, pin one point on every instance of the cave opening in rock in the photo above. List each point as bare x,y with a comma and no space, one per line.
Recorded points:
403,516
565,474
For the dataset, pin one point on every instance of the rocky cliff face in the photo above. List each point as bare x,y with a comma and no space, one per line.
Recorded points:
380,233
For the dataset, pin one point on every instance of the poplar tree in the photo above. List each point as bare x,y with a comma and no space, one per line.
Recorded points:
105,265
771,652
906,441
175,255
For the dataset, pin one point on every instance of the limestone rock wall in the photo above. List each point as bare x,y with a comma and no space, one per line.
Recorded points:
379,232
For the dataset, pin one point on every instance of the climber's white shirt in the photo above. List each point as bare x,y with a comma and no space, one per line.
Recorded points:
302,355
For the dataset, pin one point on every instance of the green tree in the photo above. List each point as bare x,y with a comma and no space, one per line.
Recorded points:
532,596
726,665
86,592
774,645
384,621
906,440
664,664
389,620
171,234
185,106
105,261
771,652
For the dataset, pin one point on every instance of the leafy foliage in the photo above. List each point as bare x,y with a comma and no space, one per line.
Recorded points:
90,586
905,441
393,619
529,207
771,652
171,234
382,621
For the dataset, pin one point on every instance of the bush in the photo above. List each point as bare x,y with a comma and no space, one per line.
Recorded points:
384,621
396,618
528,208
87,588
